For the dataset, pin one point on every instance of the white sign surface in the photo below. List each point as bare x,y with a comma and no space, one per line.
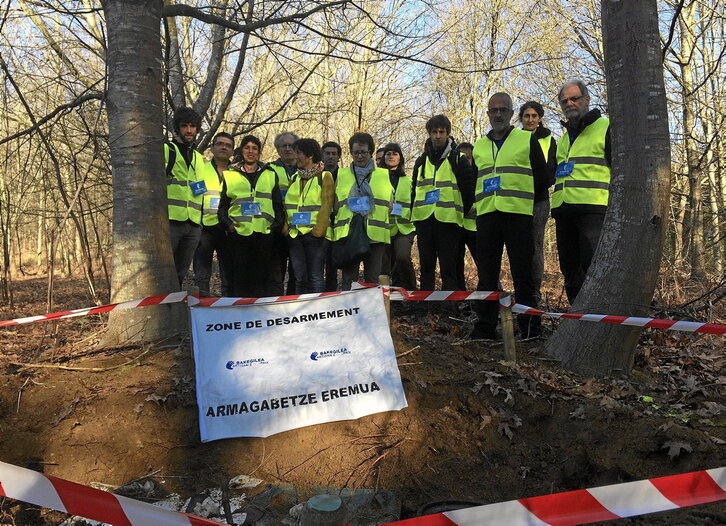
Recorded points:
266,368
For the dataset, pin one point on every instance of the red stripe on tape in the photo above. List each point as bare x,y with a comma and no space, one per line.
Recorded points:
617,320
660,324
568,509
712,328
689,489
152,300
2,491
89,502
429,520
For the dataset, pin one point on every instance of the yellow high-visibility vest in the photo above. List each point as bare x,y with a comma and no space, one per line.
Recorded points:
402,224
377,225
449,207
589,181
182,204
505,181
305,199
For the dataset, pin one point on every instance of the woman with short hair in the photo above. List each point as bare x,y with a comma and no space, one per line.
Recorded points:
308,203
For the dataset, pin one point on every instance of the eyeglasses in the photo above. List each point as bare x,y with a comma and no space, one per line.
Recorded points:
360,153
494,111
285,146
564,101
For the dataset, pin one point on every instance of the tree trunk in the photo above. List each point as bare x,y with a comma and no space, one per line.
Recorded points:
142,258
623,273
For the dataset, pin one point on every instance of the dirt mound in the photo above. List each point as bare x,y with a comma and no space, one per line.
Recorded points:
476,429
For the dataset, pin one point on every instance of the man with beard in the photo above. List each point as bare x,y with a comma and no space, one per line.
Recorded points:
582,188
184,188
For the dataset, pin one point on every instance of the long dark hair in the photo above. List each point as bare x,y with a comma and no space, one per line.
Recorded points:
395,147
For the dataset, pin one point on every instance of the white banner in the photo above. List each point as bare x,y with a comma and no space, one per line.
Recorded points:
266,368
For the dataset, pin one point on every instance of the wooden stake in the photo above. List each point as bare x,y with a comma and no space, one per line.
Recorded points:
510,347
386,282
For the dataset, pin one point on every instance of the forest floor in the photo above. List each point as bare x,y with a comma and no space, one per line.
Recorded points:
476,428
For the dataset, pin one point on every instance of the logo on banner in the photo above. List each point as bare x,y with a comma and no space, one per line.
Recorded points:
315,356
233,364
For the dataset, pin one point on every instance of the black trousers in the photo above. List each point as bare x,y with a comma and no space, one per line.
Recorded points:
494,231
468,239
438,241
252,265
577,238
213,239
539,222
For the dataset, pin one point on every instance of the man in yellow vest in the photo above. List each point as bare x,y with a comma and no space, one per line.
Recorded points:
511,170
284,166
582,185
214,237
332,152
184,188
442,190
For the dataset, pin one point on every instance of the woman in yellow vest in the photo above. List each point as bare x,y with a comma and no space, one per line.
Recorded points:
308,203
530,115
365,191
399,264
250,210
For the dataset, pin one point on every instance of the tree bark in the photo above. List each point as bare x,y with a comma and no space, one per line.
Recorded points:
622,277
142,259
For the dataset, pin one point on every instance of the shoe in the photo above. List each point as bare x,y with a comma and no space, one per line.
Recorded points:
483,335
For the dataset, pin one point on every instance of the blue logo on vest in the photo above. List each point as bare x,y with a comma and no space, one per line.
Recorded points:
565,169
492,184
198,187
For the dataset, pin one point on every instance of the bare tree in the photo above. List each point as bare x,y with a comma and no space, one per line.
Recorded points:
623,274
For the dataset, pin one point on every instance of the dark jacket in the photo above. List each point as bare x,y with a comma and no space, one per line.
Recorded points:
540,133
464,173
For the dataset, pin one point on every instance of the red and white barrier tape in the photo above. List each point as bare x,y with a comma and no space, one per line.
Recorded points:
68,497
396,294
589,505
174,297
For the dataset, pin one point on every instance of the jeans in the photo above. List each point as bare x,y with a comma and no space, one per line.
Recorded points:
437,240
307,256
577,238
184,240
372,265
496,230
213,239
397,261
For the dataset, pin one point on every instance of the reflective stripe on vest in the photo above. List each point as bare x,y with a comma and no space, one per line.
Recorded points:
402,224
511,165
589,182
210,199
449,208
182,204
310,199
377,225
282,178
239,191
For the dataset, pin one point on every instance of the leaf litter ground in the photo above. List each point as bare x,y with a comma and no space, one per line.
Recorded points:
476,429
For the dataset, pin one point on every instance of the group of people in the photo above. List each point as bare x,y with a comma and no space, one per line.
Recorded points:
266,221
